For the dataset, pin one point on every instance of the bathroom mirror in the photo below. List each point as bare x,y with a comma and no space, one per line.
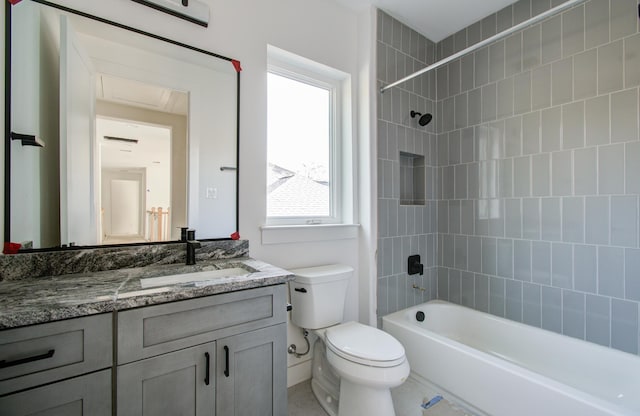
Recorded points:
116,136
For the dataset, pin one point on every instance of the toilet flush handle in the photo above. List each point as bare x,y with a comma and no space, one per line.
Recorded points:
300,289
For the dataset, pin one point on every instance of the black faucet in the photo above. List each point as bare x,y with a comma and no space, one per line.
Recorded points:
183,233
192,245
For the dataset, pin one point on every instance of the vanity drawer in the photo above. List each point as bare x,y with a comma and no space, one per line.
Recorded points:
40,354
154,330
85,395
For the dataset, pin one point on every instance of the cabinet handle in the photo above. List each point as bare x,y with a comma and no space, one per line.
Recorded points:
48,354
206,375
226,361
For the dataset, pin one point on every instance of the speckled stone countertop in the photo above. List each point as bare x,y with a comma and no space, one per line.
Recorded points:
50,298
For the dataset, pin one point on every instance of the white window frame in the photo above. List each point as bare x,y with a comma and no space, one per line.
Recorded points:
317,75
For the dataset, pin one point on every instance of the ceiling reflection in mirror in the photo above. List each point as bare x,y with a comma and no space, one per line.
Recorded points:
139,134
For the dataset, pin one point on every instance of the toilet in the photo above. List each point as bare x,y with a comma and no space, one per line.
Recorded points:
355,366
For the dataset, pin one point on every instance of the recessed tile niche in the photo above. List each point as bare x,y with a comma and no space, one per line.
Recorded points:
412,180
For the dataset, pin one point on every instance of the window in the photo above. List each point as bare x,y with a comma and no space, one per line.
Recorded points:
303,145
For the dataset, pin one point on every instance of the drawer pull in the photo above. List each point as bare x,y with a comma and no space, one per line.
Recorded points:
48,354
206,377
226,361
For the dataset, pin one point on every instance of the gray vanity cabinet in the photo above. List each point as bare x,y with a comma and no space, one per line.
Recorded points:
251,373
234,341
57,368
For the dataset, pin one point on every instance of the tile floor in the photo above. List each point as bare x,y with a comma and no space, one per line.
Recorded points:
407,400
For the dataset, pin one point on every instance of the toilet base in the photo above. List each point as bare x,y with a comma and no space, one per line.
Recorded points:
358,400
325,384
327,401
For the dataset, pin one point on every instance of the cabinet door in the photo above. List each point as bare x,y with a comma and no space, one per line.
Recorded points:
88,395
252,373
177,383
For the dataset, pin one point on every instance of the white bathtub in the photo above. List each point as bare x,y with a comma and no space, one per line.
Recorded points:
498,367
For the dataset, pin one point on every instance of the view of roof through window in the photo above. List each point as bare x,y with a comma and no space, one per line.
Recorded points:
299,146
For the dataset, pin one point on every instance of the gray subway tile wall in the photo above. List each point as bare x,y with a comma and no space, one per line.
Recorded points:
408,155
532,169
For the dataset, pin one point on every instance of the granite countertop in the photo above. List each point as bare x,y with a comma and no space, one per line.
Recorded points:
52,298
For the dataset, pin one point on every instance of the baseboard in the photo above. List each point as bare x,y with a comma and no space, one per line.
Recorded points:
298,373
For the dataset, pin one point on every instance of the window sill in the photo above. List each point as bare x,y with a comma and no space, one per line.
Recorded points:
282,234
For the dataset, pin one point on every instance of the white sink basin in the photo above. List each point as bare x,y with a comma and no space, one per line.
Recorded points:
191,277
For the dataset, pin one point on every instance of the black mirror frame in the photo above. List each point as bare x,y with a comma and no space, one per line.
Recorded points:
7,120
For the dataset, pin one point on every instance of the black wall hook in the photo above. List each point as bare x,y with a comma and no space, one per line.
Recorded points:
27,139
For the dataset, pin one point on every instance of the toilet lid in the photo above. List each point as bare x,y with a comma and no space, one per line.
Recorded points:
364,344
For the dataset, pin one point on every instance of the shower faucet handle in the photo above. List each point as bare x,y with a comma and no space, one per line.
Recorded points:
414,266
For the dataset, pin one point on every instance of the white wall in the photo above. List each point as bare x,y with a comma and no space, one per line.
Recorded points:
367,167
241,29
34,186
25,184
2,17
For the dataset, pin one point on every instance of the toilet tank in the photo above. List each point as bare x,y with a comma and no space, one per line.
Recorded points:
318,295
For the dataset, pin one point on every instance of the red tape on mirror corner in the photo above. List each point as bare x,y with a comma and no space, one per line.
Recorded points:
236,64
14,2
11,248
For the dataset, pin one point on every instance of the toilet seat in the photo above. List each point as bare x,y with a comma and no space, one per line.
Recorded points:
363,344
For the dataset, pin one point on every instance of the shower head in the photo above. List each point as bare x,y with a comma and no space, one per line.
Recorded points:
424,118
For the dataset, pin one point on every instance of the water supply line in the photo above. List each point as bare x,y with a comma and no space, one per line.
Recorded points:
292,348
566,5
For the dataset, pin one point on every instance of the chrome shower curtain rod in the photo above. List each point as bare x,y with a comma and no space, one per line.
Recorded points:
566,5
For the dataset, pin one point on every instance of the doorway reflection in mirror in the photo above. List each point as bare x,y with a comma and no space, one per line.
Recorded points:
143,184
